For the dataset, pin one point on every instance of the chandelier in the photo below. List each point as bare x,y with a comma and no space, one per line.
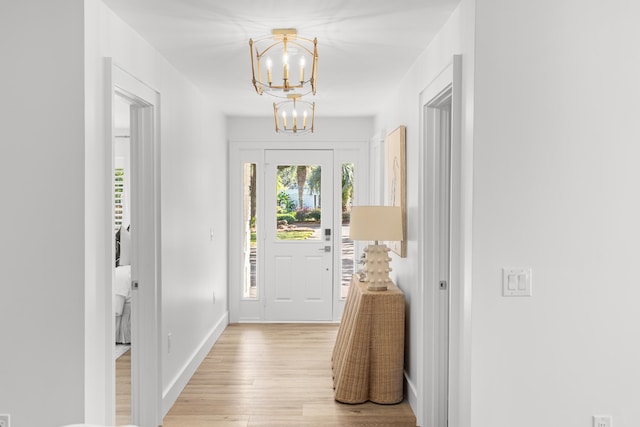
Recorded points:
284,63
294,115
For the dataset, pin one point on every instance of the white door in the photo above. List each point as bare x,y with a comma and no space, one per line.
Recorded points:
298,254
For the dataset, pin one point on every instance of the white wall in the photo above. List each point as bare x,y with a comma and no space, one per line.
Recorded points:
42,212
327,129
193,197
556,189
52,216
403,108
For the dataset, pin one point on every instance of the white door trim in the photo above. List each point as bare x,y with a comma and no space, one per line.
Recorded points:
459,316
146,307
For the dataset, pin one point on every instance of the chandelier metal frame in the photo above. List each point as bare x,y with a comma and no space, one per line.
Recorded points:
293,101
284,38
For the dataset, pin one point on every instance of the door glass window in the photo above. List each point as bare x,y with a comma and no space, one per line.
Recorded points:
298,189
250,241
347,255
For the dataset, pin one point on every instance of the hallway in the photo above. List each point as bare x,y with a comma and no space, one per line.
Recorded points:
274,375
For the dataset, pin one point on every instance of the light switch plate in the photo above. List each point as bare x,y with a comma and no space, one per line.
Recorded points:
5,420
602,421
517,282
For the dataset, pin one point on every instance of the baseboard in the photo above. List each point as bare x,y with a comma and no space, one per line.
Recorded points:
412,395
172,392
306,322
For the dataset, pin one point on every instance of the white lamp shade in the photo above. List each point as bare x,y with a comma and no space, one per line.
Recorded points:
376,223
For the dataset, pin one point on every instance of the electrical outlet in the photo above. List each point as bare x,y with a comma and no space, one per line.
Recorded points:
5,420
602,421
169,342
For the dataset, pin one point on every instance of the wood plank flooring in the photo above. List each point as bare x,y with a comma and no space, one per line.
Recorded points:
272,375
123,389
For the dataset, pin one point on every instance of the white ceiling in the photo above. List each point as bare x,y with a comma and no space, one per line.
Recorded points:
364,46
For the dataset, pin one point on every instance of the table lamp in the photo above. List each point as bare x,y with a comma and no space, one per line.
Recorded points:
376,223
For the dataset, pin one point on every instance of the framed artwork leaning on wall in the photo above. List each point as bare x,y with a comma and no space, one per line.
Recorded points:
396,177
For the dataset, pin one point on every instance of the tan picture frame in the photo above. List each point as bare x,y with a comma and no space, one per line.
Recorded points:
396,179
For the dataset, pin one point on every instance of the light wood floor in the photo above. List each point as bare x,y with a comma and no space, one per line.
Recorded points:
274,375
123,389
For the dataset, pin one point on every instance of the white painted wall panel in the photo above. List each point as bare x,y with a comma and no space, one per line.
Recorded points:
42,211
556,184
327,130
193,186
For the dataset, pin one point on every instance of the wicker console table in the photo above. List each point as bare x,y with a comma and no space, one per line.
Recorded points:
368,356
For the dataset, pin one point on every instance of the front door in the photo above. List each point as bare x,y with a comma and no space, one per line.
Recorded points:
298,209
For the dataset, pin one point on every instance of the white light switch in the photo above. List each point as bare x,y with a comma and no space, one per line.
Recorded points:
516,282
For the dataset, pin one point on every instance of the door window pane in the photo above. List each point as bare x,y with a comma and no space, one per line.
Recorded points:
348,259
250,240
298,189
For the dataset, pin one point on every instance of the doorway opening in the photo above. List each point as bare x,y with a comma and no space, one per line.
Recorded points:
133,222
440,120
288,211
292,256
440,247
437,133
122,292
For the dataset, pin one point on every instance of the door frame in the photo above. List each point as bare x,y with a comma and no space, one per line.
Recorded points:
241,152
448,80
146,384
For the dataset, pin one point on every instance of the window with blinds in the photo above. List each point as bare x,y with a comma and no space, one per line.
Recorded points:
118,188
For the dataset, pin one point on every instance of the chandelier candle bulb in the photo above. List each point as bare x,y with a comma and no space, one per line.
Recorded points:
295,119
304,119
302,70
269,64
285,65
284,119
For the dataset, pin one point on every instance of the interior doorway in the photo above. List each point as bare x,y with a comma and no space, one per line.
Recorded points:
122,290
136,217
441,205
440,119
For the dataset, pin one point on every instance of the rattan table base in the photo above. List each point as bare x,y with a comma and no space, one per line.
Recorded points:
368,357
